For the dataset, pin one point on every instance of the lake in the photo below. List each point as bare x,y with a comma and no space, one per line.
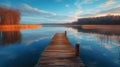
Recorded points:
99,46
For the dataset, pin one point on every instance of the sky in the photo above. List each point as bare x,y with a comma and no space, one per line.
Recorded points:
61,11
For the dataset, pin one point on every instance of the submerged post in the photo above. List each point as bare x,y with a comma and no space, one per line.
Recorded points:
77,49
65,33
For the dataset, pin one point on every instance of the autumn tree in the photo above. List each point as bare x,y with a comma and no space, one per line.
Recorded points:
9,16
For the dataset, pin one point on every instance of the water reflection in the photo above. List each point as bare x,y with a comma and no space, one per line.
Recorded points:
10,34
10,37
19,27
98,49
99,43
109,35
100,29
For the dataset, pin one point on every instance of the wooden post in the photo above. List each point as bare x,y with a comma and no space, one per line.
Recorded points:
65,33
77,49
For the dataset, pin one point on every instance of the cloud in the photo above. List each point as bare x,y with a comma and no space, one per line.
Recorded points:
78,13
99,10
51,19
78,3
43,16
27,10
31,14
111,11
67,5
5,5
108,3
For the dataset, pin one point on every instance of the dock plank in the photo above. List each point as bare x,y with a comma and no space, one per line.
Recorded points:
59,53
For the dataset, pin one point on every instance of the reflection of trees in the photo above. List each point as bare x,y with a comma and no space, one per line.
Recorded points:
96,31
9,37
0,37
101,36
105,39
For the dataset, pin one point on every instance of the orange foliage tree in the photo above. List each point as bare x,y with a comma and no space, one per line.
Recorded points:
9,16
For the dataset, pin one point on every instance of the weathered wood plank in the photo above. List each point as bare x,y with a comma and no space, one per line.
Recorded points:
59,53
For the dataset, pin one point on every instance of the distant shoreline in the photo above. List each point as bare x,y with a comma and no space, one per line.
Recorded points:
76,25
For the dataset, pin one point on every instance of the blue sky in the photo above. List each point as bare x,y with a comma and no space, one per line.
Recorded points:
61,11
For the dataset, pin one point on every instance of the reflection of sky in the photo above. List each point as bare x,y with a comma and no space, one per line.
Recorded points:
26,54
21,55
96,54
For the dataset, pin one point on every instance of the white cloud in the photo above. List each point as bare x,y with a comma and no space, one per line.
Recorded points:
43,16
31,14
78,3
27,10
5,5
110,11
78,13
108,3
100,10
67,5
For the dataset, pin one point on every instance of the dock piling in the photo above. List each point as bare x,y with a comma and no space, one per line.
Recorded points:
65,33
77,49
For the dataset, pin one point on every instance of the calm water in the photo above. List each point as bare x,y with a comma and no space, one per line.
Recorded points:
23,48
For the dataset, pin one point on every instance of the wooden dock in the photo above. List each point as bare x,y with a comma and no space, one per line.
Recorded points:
60,53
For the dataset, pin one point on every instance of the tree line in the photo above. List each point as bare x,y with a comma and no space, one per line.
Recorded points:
9,16
104,20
